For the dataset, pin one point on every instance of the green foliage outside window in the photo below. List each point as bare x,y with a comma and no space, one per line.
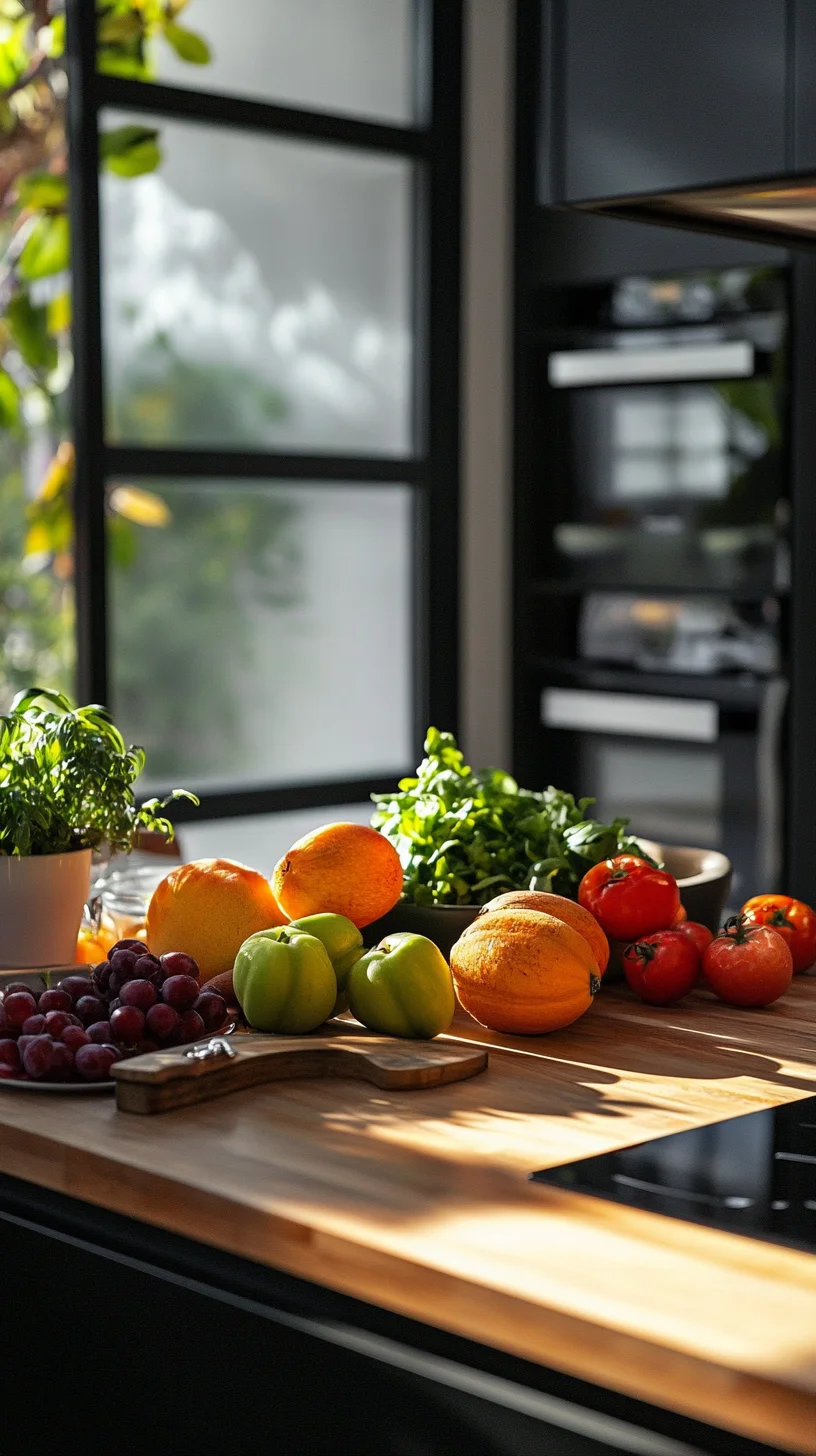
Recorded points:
36,453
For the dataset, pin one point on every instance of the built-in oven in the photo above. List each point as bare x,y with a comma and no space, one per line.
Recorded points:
682,768
656,554
668,417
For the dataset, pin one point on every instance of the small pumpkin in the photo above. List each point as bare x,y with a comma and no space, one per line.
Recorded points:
523,971
563,909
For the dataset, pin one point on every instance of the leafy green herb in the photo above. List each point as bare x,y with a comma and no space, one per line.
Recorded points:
66,779
464,837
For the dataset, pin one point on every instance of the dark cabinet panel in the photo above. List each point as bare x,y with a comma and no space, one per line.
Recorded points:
649,95
804,85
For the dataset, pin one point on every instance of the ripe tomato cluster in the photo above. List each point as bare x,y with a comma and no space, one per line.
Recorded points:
749,963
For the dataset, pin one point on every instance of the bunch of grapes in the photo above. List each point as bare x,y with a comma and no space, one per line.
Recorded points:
134,1002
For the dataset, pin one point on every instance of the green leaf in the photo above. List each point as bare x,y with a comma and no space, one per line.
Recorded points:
189,46
47,249
43,189
130,151
9,401
29,329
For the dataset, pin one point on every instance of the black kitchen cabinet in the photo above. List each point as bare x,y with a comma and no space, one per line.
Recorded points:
647,96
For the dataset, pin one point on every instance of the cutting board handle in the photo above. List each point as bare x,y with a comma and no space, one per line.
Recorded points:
183,1076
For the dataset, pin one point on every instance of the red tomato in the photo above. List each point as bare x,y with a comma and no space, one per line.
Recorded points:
748,965
628,897
661,968
680,917
699,934
792,919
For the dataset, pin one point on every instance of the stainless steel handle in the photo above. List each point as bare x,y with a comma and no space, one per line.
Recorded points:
577,368
631,714
769,782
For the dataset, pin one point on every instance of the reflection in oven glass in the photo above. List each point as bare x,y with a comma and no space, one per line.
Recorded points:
670,794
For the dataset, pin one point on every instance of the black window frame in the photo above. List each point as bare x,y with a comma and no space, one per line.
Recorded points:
431,468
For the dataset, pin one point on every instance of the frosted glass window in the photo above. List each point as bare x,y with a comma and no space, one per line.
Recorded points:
262,633
257,293
353,56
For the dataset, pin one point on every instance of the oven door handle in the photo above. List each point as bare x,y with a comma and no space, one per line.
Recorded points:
769,789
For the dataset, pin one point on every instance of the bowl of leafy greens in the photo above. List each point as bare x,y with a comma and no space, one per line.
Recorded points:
464,836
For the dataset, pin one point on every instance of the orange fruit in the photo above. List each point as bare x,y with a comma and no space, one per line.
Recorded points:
563,909
91,947
523,971
208,908
346,869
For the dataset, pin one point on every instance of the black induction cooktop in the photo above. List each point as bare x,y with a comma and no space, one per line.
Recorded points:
753,1175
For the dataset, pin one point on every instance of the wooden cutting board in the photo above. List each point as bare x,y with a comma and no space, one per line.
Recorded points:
183,1076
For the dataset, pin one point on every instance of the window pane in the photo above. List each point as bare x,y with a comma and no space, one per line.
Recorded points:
351,56
257,293
36,566
260,840
262,632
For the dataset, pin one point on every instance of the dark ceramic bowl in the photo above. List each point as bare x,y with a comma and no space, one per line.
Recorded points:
443,924
703,875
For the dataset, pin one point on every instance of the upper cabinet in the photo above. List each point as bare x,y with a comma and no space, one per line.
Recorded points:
649,96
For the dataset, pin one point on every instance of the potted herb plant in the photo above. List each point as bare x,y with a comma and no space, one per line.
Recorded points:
66,787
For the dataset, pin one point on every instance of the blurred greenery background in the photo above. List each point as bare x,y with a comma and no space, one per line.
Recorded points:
36,453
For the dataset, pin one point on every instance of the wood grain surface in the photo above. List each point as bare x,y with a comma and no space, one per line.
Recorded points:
420,1203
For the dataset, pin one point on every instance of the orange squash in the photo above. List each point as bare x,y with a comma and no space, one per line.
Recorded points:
563,909
523,971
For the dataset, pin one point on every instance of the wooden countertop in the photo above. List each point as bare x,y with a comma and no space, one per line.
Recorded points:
419,1202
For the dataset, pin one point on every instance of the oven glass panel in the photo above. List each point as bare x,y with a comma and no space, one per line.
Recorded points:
668,793
674,485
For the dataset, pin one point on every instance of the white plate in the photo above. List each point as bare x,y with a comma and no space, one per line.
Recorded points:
19,1086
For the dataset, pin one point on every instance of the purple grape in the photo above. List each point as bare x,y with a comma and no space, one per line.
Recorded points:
180,992
37,1056
192,1026
19,1005
123,963
74,1037
74,1019
113,1005
139,993
212,1009
162,1021
93,1063
135,945
76,986
99,1032
22,1043
62,1063
34,1025
176,963
115,984
56,1022
127,1024
101,977
90,1009
7,1074
6,1027
54,1001
11,986
9,1053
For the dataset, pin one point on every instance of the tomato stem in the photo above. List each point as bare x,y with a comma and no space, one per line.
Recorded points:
735,929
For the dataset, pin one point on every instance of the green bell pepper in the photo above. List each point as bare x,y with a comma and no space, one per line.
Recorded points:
284,981
403,987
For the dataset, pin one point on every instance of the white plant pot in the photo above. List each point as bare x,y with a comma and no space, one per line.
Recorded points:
41,902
